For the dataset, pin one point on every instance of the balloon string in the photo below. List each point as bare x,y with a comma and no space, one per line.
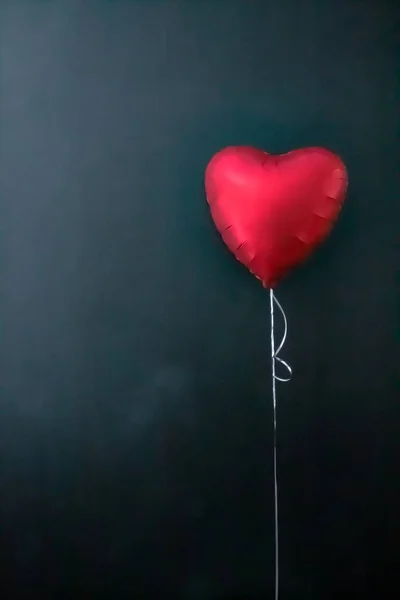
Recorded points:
275,378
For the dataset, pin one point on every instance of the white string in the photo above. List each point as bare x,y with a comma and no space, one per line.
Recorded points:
275,378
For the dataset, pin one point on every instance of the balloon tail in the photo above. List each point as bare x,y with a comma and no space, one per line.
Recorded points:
275,378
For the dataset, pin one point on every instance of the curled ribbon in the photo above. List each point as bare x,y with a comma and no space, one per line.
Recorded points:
275,353
275,378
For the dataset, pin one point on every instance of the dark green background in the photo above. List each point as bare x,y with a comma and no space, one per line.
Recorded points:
136,412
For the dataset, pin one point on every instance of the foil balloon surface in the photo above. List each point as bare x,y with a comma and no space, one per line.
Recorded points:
272,211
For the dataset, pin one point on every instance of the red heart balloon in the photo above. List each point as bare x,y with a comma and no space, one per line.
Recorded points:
272,211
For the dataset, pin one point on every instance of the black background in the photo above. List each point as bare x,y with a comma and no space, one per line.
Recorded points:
136,412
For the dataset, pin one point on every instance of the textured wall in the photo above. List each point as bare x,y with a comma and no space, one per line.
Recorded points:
135,415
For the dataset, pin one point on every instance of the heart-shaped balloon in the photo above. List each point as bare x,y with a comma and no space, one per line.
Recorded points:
272,211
